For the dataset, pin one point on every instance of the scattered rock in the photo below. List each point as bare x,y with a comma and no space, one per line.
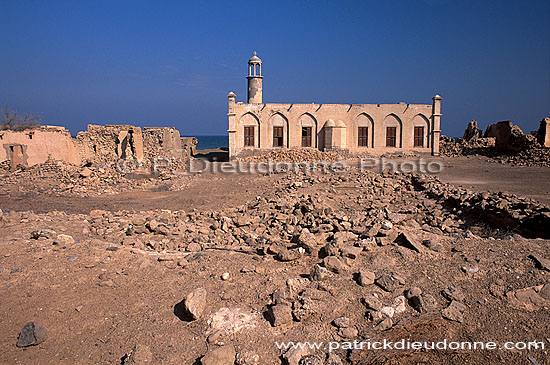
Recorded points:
365,277
528,298
372,301
31,334
348,332
413,291
334,264
541,262
407,240
63,240
140,355
288,255
294,355
342,322
280,315
195,303
423,303
470,270
454,312
319,273
225,276
453,293
389,282
246,357
224,355
385,324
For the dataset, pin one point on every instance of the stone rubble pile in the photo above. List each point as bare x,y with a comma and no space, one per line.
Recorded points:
294,155
88,180
350,258
503,142
290,216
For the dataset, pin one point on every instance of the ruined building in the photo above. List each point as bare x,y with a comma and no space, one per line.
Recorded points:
99,145
372,128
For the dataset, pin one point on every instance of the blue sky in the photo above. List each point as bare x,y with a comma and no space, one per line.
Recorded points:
172,63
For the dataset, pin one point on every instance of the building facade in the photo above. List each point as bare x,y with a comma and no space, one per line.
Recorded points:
371,128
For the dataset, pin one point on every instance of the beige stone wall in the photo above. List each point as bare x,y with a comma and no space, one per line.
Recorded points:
37,144
346,117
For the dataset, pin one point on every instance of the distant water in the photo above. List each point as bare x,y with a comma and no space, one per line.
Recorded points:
210,142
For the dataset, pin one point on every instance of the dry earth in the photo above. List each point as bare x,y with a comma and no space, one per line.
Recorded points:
301,253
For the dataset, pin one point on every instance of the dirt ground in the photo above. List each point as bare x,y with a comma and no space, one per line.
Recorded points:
98,299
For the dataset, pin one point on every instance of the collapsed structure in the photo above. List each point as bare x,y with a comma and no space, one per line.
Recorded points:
372,128
99,145
504,141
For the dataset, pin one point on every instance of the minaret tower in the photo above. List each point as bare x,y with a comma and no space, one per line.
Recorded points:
255,80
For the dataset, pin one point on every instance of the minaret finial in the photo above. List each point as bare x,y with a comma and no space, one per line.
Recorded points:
254,53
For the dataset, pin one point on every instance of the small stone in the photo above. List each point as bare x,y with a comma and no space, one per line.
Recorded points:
333,359
365,277
140,355
288,255
385,324
224,355
225,276
107,283
308,241
387,311
399,304
319,273
388,282
386,225
407,240
193,247
342,322
79,308
541,262
453,293
280,315
63,240
351,252
112,248
85,172
312,360
423,303
545,291
348,332
454,312
31,334
470,270
413,291
294,355
247,357
371,301
334,264
195,302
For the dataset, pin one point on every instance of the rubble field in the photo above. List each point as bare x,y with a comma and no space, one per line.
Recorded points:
219,269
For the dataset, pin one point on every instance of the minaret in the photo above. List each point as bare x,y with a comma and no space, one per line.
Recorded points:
254,80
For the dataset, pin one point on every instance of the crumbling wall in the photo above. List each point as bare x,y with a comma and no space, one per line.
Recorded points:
189,144
509,137
98,145
109,143
33,146
472,131
543,134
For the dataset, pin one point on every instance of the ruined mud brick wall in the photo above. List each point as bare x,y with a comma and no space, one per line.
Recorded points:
107,144
33,146
164,142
